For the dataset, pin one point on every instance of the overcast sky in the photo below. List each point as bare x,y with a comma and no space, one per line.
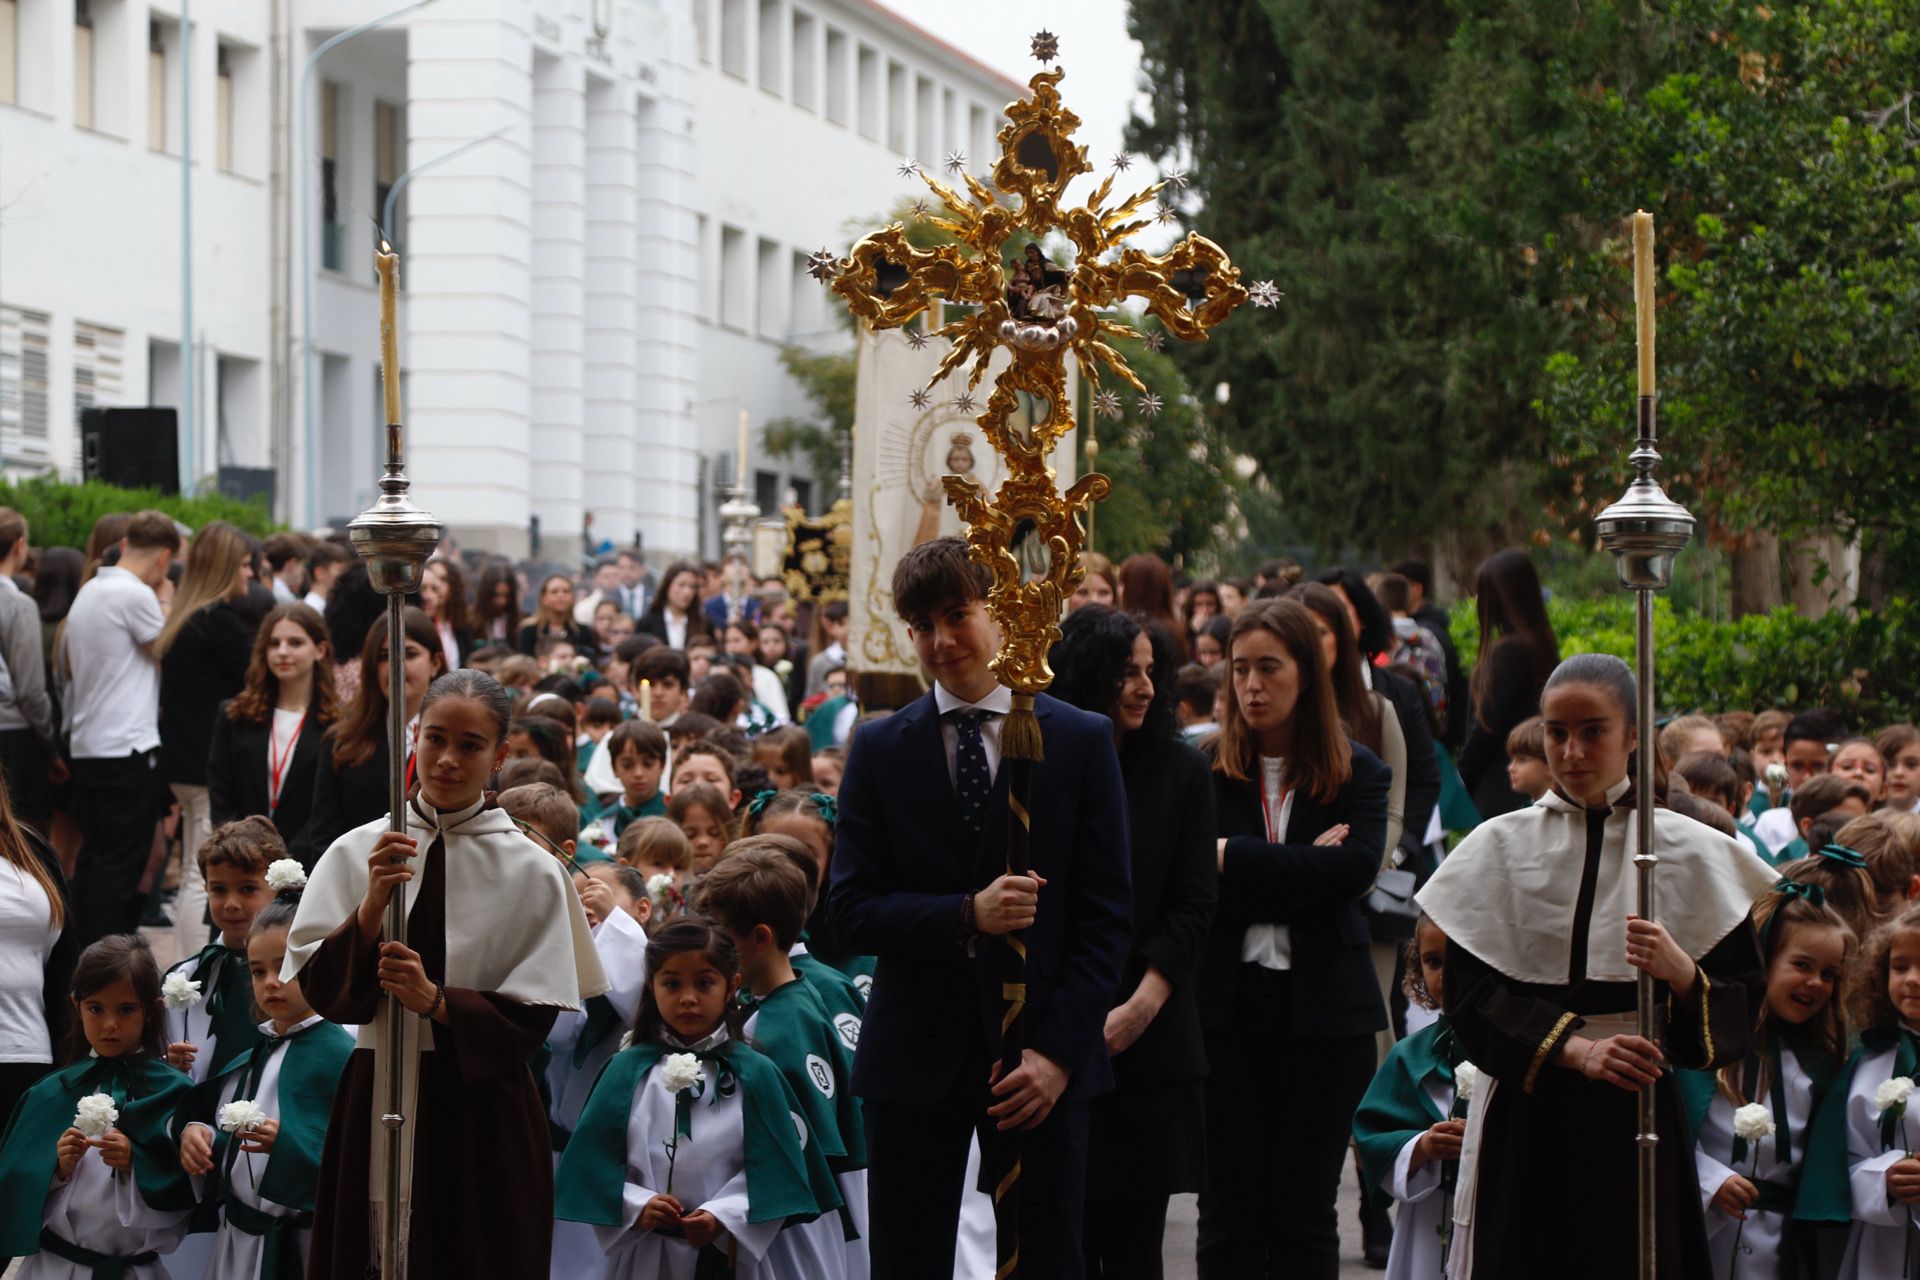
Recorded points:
1101,60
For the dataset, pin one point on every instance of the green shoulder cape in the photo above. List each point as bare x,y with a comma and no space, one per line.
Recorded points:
145,1089
1396,1109
787,1179
1825,1195
840,994
794,1030
227,988
310,1072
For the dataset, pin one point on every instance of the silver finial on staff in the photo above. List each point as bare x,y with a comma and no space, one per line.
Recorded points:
394,537
1644,531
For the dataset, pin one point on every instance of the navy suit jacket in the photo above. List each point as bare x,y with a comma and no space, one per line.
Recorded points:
902,864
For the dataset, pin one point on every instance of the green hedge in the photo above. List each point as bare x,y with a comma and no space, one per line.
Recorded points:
62,515
1861,665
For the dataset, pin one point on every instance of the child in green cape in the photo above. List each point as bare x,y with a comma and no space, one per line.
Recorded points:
759,893
271,1102
1410,1125
209,996
1751,1120
692,1151
840,980
88,1182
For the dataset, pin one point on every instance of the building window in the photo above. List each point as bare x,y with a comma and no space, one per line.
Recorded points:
766,490
386,160
332,234
99,362
82,65
736,279
9,57
703,30
805,62
156,85
733,37
981,136
805,319
702,274
839,77
772,45
802,493
23,386
223,111
869,89
773,292
926,138
897,135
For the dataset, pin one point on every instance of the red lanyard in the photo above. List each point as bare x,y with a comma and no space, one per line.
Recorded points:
1272,815
277,762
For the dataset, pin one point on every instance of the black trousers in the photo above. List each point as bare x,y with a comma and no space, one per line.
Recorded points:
917,1161
116,803
1279,1121
1125,1238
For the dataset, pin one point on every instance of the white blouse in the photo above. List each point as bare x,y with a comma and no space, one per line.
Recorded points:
26,940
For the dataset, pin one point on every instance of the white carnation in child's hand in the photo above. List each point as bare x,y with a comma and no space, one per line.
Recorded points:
95,1115
1754,1122
286,873
679,1071
179,991
1465,1076
659,885
1776,776
241,1115
1892,1094
594,834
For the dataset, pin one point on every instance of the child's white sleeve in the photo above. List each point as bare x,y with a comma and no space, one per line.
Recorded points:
1867,1164
1712,1175
1406,1184
163,1229
729,1205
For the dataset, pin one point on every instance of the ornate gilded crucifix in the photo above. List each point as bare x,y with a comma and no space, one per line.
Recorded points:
1028,533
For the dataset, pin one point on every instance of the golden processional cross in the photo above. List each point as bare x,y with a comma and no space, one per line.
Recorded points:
1038,312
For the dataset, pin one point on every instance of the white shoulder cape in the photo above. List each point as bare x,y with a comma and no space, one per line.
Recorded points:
1509,892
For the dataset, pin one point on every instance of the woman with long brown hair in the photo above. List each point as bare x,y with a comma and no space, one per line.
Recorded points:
1289,1004
553,616
203,651
1146,591
443,598
350,784
496,605
1518,652
267,739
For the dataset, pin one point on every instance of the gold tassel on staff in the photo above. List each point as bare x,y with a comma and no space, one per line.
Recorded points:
1028,533
394,537
1644,531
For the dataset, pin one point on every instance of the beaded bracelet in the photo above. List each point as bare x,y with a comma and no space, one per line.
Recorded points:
439,998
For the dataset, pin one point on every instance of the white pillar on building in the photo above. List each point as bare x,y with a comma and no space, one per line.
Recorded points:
468,284
610,308
559,297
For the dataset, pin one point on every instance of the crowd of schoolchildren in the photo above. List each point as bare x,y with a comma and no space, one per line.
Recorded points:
675,742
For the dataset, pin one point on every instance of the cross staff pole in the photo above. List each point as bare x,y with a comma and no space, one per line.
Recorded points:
1644,531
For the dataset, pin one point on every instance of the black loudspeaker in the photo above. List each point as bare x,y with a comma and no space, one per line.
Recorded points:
248,484
133,448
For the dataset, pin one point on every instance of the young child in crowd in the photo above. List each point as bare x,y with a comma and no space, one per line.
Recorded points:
659,1164
289,1078
759,895
639,752
209,997
67,1205
1194,689
1412,1121
601,717
1889,844
1844,882
1710,777
787,756
658,852
1858,1166
1527,759
705,818
1684,735
1747,1184
827,768
706,761
1814,800
1767,745
1807,746
808,817
1859,759
1899,746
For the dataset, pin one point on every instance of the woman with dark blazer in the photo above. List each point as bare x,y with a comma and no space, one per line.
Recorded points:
350,785
1146,1139
1289,1004
553,616
443,598
1518,652
268,738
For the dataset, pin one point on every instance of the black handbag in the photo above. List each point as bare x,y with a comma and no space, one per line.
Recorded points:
1392,914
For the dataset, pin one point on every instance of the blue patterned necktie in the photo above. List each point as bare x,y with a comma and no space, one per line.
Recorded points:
972,782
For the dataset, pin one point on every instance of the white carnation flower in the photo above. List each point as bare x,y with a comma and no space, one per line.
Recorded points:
241,1115
659,886
95,1115
1754,1122
179,991
1465,1076
1776,775
1893,1093
286,873
679,1071
594,834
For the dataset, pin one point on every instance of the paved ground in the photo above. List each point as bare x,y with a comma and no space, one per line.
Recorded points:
1180,1218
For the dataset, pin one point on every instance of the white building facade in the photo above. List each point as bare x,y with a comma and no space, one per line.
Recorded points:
604,213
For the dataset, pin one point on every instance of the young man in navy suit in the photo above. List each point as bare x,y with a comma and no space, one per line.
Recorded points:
918,880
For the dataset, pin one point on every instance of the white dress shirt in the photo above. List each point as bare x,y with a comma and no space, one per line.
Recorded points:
1271,945
999,703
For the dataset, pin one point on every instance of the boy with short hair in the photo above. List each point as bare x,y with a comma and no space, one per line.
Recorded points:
638,749
1899,747
918,880
758,894
665,671
1527,759
1807,747
1194,691
1813,800
700,651
1711,777
209,996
